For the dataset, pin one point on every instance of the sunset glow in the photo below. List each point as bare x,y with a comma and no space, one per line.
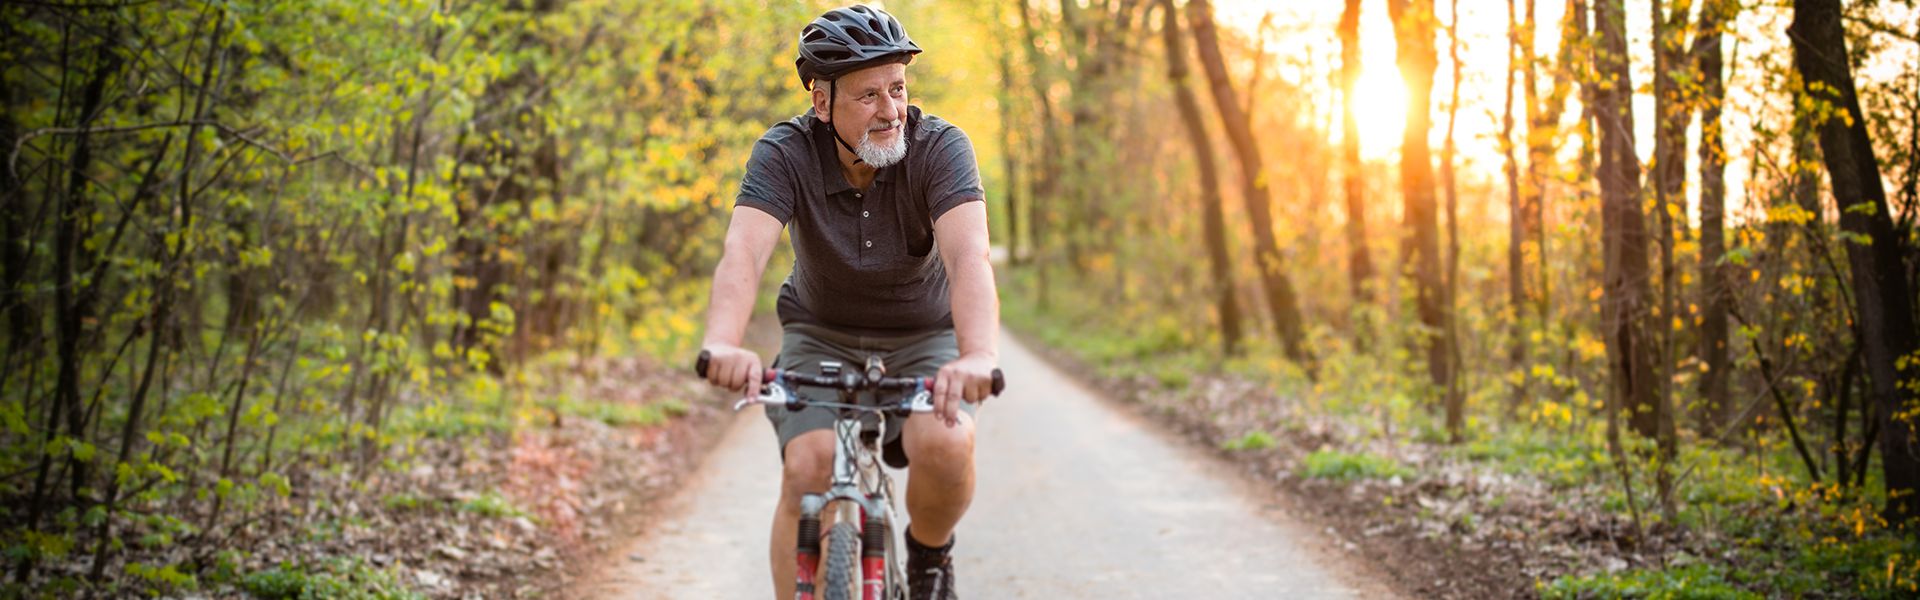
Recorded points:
1380,109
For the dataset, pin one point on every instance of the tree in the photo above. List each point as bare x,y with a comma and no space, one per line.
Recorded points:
1359,265
1516,219
1627,290
1413,28
1672,112
1456,400
1279,290
1715,298
1216,222
1883,298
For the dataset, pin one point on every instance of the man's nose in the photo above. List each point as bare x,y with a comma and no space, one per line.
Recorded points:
890,108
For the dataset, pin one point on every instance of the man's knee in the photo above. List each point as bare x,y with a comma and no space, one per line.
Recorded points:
809,465
932,444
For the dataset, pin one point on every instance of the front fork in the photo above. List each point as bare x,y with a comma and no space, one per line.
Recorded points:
873,548
871,515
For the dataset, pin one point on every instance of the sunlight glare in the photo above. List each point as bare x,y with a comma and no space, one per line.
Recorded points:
1380,108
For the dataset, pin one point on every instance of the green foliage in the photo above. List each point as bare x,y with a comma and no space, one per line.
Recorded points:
492,505
343,578
1332,464
1694,582
1253,440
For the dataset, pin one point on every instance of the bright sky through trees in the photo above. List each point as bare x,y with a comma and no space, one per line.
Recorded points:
1302,27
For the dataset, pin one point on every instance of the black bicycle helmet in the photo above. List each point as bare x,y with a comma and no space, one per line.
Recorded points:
849,39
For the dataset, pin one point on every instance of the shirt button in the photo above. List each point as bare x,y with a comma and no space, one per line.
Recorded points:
864,213
869,243
856,194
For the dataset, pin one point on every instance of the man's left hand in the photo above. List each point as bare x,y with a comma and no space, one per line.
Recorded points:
967,379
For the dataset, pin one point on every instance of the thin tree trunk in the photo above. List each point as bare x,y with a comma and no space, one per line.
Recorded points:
1456,397
1216,221
1516,221
1715,299
1543,134
1413,33
1009,161
74,299
1882,295
1279,290
1671,116
1359,263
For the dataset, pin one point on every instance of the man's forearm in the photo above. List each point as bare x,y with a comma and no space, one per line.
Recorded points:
976,307
735,287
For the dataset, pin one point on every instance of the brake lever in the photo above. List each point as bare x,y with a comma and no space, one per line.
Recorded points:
921,402
769,394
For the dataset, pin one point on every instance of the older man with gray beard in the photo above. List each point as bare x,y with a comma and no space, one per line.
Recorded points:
890,246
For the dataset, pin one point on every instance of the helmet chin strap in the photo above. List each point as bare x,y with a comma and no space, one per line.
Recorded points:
833,94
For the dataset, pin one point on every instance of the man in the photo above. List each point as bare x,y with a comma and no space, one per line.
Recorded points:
889,231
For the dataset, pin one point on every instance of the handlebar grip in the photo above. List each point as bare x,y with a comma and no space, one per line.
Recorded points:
999,382
706,358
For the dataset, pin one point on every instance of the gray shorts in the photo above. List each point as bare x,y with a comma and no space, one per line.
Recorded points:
803,346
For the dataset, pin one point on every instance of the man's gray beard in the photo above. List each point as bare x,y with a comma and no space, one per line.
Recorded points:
878,156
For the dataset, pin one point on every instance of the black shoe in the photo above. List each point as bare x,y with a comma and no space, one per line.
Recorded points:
929,571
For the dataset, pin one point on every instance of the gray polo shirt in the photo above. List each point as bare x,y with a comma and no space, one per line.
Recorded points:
864,260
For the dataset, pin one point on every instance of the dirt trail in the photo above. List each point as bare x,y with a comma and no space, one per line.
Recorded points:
1076,499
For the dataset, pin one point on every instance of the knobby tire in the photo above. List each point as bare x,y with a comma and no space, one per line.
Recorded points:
843,563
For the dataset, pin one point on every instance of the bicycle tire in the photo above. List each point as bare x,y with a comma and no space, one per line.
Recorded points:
843,563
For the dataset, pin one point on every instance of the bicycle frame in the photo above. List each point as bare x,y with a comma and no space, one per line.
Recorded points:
861,493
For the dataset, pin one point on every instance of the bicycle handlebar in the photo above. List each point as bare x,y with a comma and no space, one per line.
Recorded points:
850,381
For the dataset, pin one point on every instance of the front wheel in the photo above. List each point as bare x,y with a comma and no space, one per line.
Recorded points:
843,562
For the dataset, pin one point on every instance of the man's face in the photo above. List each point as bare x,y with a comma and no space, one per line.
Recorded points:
871,109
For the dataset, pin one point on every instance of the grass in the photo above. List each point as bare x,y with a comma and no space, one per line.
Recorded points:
1253,440
492,505
1341,466
341,577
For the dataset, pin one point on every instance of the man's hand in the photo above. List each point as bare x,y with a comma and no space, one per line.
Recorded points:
967,379
734,368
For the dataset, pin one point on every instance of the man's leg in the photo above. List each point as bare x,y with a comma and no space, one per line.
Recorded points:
809,467
940,478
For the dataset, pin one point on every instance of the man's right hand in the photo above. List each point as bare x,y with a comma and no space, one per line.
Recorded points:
734,368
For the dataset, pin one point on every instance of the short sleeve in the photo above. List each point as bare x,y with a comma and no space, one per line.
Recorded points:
955,176
769,182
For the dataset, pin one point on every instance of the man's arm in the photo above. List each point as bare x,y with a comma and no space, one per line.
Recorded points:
751,237
962,236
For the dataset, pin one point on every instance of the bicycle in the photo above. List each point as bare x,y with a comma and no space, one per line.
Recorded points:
860,491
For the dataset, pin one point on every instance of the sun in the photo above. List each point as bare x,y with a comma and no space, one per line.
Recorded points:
1380,96
1380,109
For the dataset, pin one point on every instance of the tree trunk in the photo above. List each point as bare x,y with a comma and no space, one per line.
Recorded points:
1456,397
1714,296
1359,265
1882,296
1516,219
1273,276
1413,26
1009,160
1628,288
1216,221
1046,182
1671,115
